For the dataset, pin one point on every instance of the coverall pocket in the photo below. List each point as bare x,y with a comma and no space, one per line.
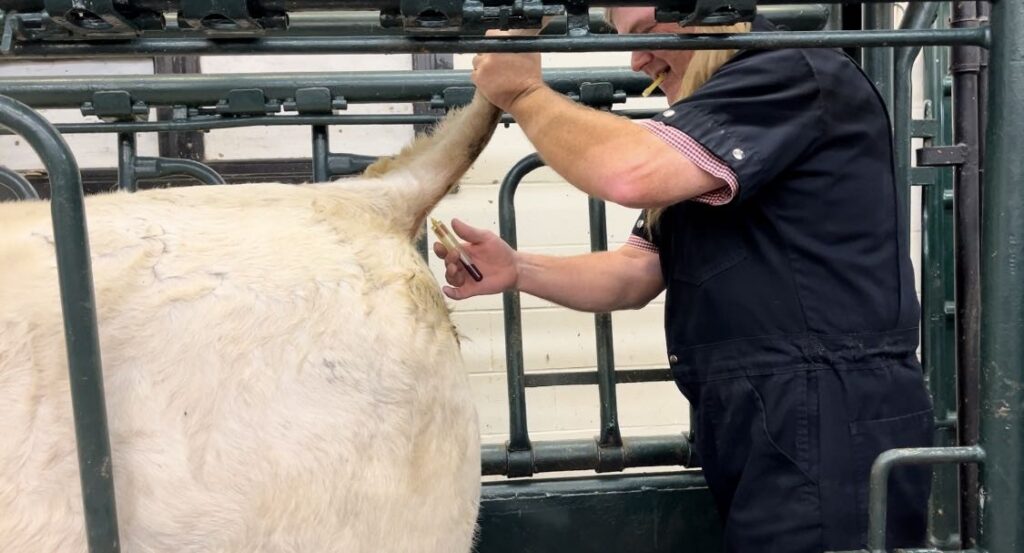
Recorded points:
909,486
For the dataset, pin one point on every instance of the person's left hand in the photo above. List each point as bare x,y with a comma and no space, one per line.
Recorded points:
505,78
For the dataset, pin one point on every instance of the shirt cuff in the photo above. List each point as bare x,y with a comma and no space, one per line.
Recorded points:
641,244
699,156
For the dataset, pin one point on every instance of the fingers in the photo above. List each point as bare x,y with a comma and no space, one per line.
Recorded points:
454,273
468,233
440,251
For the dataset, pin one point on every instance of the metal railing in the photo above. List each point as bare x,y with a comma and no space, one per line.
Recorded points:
1001,299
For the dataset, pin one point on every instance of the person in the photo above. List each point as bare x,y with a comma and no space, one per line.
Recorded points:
770,216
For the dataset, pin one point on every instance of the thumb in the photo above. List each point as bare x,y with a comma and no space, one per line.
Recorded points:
468,233
456,293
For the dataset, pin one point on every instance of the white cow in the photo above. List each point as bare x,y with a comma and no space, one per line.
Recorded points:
281,371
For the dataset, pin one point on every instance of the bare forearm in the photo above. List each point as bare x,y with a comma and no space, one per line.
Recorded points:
608,156
587,147
598,282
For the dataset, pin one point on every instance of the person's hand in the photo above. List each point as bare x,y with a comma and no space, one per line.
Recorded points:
495,259
505,78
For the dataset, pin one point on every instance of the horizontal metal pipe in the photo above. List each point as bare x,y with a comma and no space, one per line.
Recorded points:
323,5
567,455
355,86
808,17
212,123
148,47
154,167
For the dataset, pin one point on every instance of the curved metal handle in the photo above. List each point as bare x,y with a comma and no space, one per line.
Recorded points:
17,185
74,270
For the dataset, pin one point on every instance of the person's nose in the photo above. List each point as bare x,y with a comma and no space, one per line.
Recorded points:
639,60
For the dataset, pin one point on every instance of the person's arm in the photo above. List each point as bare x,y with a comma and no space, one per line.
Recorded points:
604,155
626,278
600,282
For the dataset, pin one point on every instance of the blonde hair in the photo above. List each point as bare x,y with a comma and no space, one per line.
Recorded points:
702,66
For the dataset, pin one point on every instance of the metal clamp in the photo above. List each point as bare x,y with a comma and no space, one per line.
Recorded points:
710,12
102,17
315,100
228,17
247,101
115,105
456,16
453,97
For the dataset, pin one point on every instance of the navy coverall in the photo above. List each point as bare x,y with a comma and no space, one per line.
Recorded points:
791,315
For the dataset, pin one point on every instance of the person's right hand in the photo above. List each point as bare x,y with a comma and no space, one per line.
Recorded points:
495,259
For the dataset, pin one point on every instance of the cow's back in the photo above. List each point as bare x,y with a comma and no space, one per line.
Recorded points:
281,375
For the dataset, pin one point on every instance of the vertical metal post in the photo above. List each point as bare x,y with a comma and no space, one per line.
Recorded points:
610,434
178,144
126,178
1002,321
321,151
78,304
937,350
967,198
878,62
519,437
835,17
984,9
917,16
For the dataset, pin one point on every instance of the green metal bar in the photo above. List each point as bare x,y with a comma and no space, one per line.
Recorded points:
349,164
16,185
147,47
356,86
937,351
519,451
917,16
293,6
582,378
321,154
154,167
71,241
1002,311
878,62
610,436
966,61
566,455
882,467
211,123
126,179
807,17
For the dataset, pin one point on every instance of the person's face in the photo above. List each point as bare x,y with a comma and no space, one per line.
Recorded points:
654,62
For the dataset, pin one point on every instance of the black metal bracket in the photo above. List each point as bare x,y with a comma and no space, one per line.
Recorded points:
340,164
709,12
314,101
115,105
227,17
453,97
458,16
942,156
599,95
247,101
103,17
